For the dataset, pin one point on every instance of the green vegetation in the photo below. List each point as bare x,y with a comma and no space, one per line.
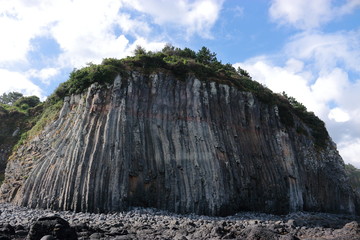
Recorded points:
81,79
39,121
18,114
16,102
317,126
182,63
10,98
25,103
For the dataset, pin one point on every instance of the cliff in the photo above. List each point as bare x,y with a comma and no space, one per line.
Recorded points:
189,146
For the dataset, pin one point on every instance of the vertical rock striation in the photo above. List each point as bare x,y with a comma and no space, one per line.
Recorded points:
184,146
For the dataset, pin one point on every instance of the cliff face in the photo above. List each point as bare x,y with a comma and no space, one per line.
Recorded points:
184,146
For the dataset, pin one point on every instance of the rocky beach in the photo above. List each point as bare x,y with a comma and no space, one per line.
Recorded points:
147,223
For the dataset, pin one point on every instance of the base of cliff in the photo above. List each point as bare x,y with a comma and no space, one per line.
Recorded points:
140,223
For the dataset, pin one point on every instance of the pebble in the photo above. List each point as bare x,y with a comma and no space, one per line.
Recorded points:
148,223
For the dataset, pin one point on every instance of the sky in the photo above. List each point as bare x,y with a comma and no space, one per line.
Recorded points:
308,48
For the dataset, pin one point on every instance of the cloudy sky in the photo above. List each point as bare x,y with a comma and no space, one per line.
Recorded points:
308,48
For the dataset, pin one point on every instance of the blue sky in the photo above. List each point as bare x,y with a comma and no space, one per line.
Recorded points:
308,48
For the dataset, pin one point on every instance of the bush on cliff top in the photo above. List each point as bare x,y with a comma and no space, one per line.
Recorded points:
181,62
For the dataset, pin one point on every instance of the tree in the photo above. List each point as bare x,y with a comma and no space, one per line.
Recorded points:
188,53
205,56
10,98
169,49
139,50
243,73
27,102
297,105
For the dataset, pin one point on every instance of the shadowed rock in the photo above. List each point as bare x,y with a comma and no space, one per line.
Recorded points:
51,227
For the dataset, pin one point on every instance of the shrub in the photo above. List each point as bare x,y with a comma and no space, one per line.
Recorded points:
27,102
317,126
243,73
139,51
205,56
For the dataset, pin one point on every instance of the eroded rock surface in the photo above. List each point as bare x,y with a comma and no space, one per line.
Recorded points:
184,146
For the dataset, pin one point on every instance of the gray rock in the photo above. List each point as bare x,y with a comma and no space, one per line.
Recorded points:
258,233
291,223
352,227
179,237
48,237
96,236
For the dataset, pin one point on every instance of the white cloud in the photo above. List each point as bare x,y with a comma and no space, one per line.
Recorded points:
330,86
149,46
327,51
195,17
338,115
16,32
309,14
14,81
348,102
350,150
89,30
44,74
134,27
84,31
300,13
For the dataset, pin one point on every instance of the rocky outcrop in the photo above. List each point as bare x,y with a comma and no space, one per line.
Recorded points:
184,146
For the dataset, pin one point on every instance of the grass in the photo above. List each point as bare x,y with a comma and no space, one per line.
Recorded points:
49,114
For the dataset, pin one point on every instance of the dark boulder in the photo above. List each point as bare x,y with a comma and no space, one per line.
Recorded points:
53,226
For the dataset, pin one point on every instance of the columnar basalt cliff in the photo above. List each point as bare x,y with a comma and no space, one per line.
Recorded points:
185,146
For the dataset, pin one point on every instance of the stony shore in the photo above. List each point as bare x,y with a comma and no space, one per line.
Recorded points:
18,223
